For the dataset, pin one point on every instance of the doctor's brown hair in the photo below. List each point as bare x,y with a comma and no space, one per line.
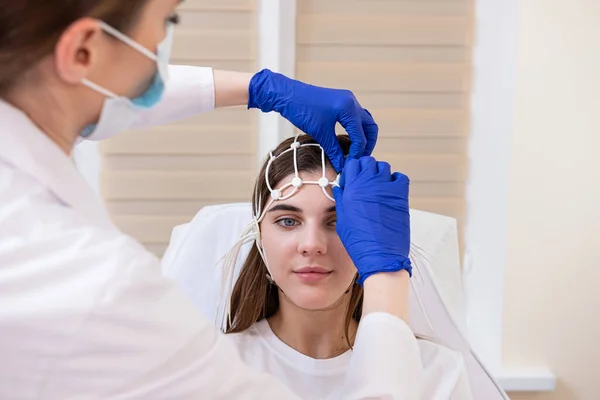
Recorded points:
30,29
253,297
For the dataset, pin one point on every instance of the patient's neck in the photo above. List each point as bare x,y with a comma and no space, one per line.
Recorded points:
317,334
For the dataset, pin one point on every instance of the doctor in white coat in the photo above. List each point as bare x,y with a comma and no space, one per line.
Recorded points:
84,310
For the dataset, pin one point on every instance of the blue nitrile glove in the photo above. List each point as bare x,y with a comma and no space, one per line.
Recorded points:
373,219
315,111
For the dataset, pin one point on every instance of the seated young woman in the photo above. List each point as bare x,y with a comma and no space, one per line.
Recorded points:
296,307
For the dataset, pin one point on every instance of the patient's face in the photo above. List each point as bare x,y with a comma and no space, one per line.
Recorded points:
304,252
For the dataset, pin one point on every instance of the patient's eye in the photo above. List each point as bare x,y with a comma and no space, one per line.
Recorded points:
286,222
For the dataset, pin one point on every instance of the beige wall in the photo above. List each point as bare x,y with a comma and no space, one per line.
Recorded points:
183,166
553,265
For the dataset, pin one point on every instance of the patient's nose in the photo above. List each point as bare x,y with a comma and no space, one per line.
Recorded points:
312,240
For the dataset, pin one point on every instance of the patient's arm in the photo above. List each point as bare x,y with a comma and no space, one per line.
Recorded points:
386,361
387,292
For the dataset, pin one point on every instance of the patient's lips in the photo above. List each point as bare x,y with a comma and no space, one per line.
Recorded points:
312,273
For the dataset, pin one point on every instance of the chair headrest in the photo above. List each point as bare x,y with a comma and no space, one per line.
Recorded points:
191,260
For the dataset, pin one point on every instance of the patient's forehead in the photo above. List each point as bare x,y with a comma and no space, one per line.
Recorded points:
309,197
314,176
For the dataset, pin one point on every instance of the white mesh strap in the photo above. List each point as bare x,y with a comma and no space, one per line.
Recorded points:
297,182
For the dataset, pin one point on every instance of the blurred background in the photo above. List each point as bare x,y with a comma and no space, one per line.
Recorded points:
490,106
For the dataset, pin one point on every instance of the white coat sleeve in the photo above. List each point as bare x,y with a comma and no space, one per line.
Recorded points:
386,362
189,91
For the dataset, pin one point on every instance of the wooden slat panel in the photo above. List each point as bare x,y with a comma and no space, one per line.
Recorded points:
203,162
226,185
422,101
208,5
149,229
166,185
183,139
422,145
383,30
386,7
387,77
233,116
156,178
428,168
378,53
216,20
222,45
177,207
436,189
450,206
409,63
422,123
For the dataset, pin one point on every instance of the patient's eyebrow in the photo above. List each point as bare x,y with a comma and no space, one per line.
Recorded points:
291,208
285,207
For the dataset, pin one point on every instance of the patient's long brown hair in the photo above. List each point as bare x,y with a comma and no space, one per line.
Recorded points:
254,298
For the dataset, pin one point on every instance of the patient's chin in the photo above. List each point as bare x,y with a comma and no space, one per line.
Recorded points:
314,299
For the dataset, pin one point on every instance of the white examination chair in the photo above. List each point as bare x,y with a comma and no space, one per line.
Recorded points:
196,247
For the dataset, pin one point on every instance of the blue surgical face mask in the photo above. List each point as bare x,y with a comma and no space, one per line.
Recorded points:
121,113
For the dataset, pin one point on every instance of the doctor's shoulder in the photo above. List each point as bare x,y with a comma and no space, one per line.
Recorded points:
52,257
77,298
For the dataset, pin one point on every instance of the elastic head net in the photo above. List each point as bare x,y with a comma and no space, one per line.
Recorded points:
252,231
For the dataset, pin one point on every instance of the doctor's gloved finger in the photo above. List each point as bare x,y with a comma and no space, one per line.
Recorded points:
384,169
334,151
351,170
338,194
400,178
351,121
342,180
368,166
371,130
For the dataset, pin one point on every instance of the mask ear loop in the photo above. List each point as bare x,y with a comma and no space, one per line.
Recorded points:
127,40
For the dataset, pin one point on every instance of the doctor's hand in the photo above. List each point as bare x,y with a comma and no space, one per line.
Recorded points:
316,110
373,219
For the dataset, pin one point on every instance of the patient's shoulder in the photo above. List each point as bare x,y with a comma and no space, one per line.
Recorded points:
253,347
246,340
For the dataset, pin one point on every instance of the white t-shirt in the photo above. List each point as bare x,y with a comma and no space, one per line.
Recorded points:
445,376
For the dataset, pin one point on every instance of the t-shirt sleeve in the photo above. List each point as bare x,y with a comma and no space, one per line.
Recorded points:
445,373
386,362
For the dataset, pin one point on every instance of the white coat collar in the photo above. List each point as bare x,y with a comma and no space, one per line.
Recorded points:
26,147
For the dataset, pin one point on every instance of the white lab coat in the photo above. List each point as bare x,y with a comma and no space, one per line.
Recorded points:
85,312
